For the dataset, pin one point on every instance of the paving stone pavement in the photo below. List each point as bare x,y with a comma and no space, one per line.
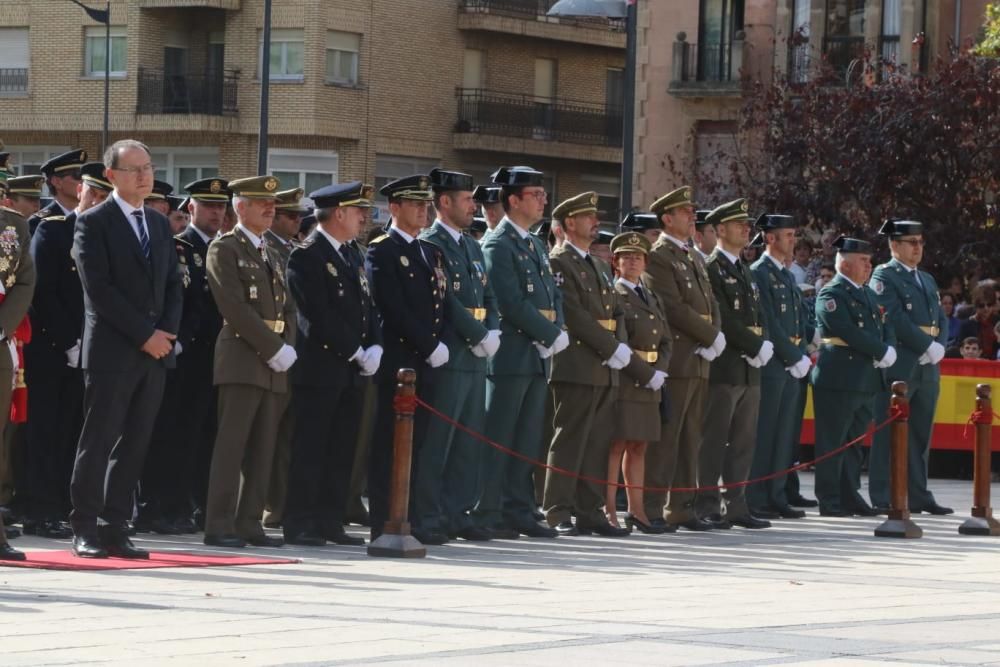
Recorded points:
806,592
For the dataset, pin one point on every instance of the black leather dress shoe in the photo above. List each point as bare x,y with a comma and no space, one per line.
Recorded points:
474,534
123,548
765,512
185,526
306,539
54,530
864,509
749,521
8,552
651,528
342,538
88,546
660,522
358,519
788,512
799,501
934,508
225,541
430,537
163,527
265,541
566,529
824,511
538,515
607,530
881,509
717,521
692,524
537,530
503,533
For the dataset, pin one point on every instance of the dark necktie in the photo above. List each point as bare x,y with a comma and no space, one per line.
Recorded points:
140,224
642,294
345,252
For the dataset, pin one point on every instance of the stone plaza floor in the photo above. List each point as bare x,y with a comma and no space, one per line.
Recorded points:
815,591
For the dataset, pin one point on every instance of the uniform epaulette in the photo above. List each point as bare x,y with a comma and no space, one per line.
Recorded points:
54,218
378,239
10,210
307,243
183,241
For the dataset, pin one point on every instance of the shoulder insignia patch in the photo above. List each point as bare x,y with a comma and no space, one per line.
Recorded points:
878,286
830,305
182,241
54,218
379,239
10,210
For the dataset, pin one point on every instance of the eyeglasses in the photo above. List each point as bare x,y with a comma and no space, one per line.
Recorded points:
148,168
916,243
540,195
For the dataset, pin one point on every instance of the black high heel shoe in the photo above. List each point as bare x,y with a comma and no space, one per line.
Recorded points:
631,522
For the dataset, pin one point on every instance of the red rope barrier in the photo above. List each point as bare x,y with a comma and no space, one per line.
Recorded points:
978,417
894,414
406,405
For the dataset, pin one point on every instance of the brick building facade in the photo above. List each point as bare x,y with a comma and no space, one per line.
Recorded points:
359,90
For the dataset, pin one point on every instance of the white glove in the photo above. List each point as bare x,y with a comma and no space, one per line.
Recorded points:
178,348
923,360
766,352
283,359
800,368
719,344
659,377
73,355
935,353
754,362
708,354
561,342
620,358
543,352
478,350
439,357
490,344
889,359
371,360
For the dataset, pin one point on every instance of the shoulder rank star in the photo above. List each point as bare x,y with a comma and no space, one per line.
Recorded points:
333,270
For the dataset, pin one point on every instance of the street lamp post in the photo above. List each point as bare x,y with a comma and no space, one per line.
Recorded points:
103,16
265,90
615,9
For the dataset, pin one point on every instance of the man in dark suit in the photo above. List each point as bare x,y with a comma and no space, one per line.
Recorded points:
52,364
132,295
62,175
409,283
176,472
339,342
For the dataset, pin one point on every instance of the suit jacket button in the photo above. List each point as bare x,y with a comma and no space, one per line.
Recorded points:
326,347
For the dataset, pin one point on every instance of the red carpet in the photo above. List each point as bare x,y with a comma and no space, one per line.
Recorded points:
65,560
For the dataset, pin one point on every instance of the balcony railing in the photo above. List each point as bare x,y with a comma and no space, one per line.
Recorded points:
845,56
525,116
535,10
13,80
214,93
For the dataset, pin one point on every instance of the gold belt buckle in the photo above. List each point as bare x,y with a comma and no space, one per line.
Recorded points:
795,340
931,331
550,315
610,325
707,318
648,357
757,331
836,342
478,313
278,326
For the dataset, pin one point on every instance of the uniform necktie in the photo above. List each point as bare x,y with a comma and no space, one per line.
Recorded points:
642,294
916,276
140,224
345,252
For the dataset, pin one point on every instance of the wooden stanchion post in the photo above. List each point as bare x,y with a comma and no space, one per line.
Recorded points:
899,523
982,522
395,540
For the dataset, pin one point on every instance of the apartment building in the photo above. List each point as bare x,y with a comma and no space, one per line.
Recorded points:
694,56
369,90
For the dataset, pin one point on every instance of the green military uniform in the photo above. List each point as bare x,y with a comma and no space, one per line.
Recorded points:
730,421
845,381
584,380
678,277
17,274
530,307
447,478
247,281
781,386
638,415
288,200
913,312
